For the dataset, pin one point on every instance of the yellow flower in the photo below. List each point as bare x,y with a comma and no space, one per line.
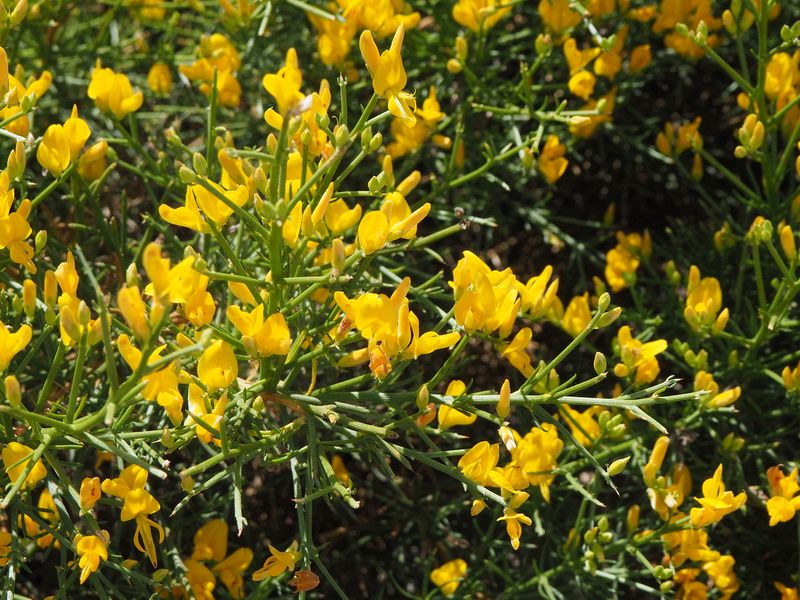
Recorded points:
217,367
582,424
201,580
161,386
211,543
89,493
480,15
452,417
558,16
623,260
339,217
373,232
77,132
723,576
536,454
5,547
515,352
16,458
159,79
715,398
479,461
216,52
551,163
577,315
48,512
333,38
278,562
640,58
271,336
388,75
53,152
134,311
138,504
92,549
286,83
485,299
784,501
638,358
449,576
672,143
786,593
703,303
201,204
514,522
688,544
113,92
12,344
200,416
94,161
716,501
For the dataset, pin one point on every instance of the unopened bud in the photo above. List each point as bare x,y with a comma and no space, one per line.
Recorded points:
19,12
199,164
599,363
338,256
29,297
13,391
609,317
40,241
341,135
84,314
423,397
504,403
50,289
186,175
616,467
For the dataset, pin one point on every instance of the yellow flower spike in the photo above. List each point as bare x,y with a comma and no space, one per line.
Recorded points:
388,75
514,522
217,367
278,562
112,92
449,576
285,85
53,152
12,344
716,501
92,549
89,493
504,404
211,541
159,79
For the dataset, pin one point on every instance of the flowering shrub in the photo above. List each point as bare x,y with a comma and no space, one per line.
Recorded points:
461,300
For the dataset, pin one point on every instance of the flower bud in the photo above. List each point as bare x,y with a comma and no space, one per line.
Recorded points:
40,241
599,363
50,289
609,317
616,467
423,397
788,243
186,175
29,297
504,404
454,66
13,391
338,257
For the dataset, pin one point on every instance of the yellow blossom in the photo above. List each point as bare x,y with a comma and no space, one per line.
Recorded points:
271,336
558,15
452,417
278,562
478,462
89,492
577,315
16,459
388,75
285,85
92,549
514,521
551,163
138,504
217,367
703,303
12,344
536,455
113,92
716,501
480,15
449,576
159,79
638,358
784,499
